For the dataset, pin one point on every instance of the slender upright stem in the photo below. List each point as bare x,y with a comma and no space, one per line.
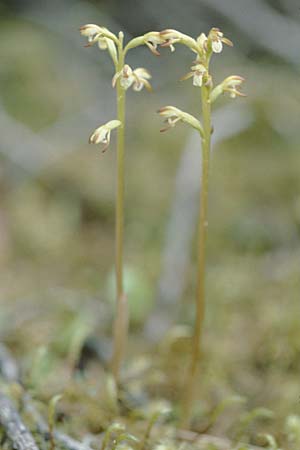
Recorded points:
121,319
201,243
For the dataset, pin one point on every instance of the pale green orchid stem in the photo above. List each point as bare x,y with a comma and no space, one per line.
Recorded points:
189,391
121,318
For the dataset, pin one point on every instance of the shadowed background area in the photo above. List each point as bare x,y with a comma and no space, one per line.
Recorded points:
57,192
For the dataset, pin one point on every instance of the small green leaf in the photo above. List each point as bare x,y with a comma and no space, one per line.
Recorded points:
52,408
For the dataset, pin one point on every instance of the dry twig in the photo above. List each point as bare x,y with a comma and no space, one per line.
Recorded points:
15,429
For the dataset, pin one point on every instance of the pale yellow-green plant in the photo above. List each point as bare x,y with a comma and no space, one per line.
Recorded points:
51,419
117,437
292,430
124,78
114,430
160,410
203,48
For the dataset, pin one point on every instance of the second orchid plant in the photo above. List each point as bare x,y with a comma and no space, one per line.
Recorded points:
203,47
124,78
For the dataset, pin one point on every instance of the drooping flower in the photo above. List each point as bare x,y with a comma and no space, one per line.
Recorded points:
171,37
102,134
90,31
199,73
174,115
216,39
137,78
152,40
232,85
171,115
94,33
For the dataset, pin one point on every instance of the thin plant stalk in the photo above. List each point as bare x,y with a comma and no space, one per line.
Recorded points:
123,78
204,46
51,420
121,318
201,263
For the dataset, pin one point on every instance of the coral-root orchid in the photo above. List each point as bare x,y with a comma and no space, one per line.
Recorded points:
124,78
204,46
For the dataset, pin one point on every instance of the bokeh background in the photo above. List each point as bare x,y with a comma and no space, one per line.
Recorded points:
57,192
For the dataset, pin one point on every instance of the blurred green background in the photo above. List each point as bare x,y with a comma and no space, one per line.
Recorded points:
57,193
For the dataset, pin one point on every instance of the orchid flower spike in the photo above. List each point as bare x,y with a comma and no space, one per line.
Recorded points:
137,78
102,134
173,115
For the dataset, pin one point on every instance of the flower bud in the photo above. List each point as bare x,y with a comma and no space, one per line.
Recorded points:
202,42
111,47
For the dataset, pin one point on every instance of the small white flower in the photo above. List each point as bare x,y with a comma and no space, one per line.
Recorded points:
102,134
217,46
141,76
199,74
126,77
137,78
216,38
